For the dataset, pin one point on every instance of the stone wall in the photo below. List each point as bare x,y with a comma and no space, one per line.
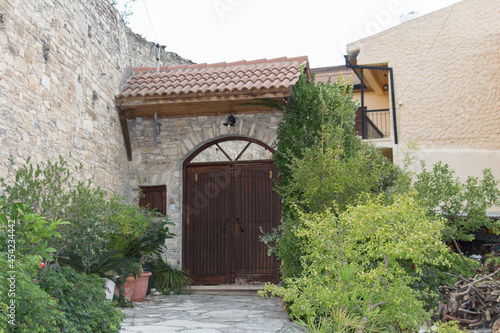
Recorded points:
61,65
161,164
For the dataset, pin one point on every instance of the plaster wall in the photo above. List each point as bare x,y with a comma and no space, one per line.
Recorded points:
446,67
61,64
162,164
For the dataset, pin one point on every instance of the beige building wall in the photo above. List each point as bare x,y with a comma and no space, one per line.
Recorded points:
61,65
446,71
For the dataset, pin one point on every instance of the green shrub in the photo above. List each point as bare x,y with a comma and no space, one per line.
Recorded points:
107,236
81,298
140,232
321,161
430,276
27,232
351,265
34,309
51,190
449,327
463,204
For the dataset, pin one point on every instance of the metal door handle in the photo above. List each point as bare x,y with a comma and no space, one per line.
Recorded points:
239,225
224,229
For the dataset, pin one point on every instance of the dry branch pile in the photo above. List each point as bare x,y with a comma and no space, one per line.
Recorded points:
473,302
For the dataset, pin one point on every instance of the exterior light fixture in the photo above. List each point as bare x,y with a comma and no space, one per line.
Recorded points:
231,121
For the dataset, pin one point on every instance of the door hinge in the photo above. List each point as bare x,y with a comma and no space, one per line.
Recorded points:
195,177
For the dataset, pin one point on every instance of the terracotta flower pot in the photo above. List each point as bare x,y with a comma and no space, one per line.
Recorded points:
128,287
141,287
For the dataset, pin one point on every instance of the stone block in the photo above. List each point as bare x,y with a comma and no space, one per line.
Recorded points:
45,81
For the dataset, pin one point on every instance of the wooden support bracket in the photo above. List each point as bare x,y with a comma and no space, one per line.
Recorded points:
126,135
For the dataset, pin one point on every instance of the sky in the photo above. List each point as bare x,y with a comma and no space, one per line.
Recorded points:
211,31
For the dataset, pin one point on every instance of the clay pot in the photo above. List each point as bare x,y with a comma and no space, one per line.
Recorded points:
141,287
128,287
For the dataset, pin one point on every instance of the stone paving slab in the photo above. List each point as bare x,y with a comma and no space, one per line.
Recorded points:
208,314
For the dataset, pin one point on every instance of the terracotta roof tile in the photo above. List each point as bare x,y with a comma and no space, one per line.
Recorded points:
262,74
333,73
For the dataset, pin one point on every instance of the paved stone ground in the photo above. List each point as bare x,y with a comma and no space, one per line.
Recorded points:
208,314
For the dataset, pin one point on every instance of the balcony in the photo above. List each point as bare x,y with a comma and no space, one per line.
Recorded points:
373,88
373,124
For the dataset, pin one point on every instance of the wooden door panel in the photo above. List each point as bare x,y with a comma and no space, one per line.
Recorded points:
256,205
208,201
240,199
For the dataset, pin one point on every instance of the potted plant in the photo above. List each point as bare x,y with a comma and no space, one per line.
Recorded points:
111,265
167,279
143,233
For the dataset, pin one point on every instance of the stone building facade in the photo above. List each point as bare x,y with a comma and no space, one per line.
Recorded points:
190,104
162,163
62,63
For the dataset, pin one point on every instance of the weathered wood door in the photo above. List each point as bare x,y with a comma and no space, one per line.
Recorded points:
206,242
256,210
227,207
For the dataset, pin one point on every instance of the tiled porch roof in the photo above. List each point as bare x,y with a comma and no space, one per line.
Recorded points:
195,81
333,73
205,90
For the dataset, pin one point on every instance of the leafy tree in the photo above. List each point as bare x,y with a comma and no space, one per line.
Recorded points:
312,107
322,162
124,7
463,204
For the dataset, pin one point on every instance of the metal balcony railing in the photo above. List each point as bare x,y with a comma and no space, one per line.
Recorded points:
373,124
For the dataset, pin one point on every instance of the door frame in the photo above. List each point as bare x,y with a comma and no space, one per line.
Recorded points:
187,162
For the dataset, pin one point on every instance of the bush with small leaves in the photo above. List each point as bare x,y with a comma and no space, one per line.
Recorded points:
351,264
82,299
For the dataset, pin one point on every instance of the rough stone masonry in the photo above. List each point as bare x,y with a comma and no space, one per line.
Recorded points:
62,64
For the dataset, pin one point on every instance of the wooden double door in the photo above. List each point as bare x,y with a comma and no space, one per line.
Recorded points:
227,207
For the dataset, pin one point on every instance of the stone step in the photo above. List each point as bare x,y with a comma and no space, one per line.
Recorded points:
225,289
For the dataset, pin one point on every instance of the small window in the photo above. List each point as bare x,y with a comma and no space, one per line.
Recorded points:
152,197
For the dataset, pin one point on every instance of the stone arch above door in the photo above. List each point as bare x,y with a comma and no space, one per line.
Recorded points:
259,126
231,149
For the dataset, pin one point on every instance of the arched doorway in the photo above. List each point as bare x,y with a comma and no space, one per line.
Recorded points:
228,202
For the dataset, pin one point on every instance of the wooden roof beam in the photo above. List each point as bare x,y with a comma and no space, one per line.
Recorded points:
158,100
371,81
125,132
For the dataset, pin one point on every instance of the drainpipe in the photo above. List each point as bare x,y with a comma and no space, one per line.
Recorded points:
393,101
363,115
